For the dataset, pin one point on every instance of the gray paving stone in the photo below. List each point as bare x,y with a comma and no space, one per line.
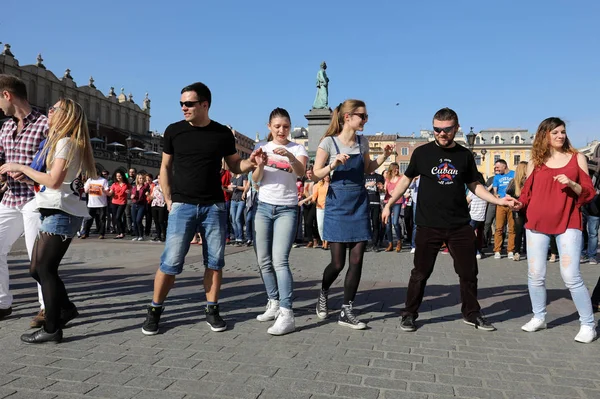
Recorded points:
414,376
24,394
108,366
357,392
177,362
431,388
530,369
314,387
157,383
193,387
402,395
111,378
159,395
458,380
138,369
295,373
6,392
71,387
183,374
34,383
371,371
524,377
339,378
479,393
555,390
72,364
573,382
111,391
385,383
30,360
392,364
238,391
431,368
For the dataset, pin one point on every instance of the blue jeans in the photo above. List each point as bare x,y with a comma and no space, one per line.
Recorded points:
137,215
237,213
394,221
61,224
593,223
184,221
569,249
274,234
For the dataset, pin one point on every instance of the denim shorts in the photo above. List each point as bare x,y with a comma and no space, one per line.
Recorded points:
61,224
184,221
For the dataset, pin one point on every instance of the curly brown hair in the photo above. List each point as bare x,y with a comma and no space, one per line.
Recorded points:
541,144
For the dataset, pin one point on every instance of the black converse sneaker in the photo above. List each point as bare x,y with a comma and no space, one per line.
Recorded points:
347,318
214,320
407,323
480,323
322,310
150,326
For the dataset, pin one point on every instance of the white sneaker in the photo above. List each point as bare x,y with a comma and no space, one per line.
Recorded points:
478,256
497,255
586,334
511,256
412,250
534,325
271,312
284,323
517,257
140,238
134,239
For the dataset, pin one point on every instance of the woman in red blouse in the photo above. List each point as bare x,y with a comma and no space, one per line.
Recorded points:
558,184
119,192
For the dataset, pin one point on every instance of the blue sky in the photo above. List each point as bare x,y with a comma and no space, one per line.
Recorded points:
498,64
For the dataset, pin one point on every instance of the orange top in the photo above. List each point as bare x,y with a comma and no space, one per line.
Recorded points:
320,193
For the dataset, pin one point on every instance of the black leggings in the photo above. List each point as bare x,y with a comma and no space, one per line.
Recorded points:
48,251
338,260
159,215
311,231
118,222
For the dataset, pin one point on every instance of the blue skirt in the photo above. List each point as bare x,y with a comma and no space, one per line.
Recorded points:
346,214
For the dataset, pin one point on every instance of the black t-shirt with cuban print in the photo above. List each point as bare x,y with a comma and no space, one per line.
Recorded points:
444,172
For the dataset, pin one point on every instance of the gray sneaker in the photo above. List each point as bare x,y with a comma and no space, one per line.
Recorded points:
322,310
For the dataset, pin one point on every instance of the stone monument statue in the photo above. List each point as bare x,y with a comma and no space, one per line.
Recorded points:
322,98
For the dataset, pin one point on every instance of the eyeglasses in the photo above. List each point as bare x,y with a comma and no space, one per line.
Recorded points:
188,104
444,129
362,116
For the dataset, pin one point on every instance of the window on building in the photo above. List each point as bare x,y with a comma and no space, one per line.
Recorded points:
403,167
478,160
517,159
477,140
497,140
496,158
404,151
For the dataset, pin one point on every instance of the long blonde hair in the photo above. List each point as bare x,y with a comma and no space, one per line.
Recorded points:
393,167
541,144
520,177
337,118
70,121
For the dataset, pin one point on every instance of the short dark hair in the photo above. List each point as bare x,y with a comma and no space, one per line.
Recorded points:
502,161
150,174
134,169
446,114
201,90
13,85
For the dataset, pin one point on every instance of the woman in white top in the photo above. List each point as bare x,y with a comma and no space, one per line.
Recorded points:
277,217
58,196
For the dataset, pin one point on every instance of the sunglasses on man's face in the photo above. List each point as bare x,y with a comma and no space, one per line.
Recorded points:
188,104
448,129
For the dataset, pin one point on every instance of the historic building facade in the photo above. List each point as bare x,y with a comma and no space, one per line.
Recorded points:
377,142
119,128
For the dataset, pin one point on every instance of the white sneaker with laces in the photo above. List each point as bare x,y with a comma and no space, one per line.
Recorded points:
284,323
534,325
412,250
271,311
478,256
511,256
497,255
586,334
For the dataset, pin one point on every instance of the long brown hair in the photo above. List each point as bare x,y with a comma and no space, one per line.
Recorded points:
541,145
520,177
393,166
337,118
70,121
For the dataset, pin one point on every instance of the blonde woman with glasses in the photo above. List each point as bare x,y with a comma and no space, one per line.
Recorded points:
57,192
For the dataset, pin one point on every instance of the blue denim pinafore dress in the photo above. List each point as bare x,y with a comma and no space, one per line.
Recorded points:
347,203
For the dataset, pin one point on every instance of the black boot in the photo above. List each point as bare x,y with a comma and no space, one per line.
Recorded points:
40,336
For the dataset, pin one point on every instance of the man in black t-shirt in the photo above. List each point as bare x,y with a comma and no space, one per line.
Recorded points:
371,181
443,217
193,150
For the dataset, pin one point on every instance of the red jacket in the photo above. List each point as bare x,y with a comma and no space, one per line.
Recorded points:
225,182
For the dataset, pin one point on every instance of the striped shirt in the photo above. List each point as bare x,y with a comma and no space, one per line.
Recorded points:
477,208
21,148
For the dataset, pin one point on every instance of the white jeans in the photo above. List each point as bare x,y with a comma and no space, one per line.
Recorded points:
320,218
13,223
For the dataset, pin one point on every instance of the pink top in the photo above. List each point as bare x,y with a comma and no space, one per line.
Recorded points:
389,188
552,207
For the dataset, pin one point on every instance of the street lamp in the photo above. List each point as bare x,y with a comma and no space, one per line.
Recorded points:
471,139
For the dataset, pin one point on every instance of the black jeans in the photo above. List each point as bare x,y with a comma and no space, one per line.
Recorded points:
490,215
118,223
149,217
519,218
408,222
159,215
596,294
99,216
311,231
375,214
461,245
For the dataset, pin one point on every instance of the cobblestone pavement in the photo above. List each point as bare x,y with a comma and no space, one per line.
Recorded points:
105,355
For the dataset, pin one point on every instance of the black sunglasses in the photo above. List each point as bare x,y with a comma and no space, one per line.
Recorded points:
188,104
362,116
444,129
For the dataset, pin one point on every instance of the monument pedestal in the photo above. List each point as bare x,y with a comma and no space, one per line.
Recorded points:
318,122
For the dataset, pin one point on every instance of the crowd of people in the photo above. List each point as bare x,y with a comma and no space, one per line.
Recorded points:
275,200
